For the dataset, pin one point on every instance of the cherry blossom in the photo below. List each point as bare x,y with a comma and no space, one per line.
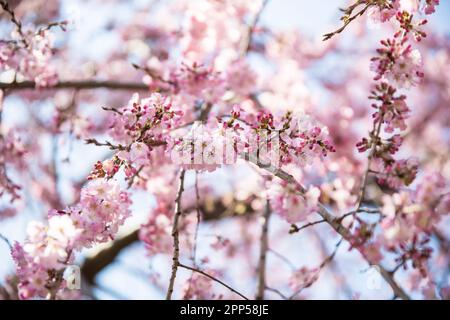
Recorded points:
49,248
398,63
232,137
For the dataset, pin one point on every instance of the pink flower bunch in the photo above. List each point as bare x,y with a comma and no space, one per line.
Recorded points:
398,63
385,10
401,234
361,239
409,218
303,139
144,120
12,152
399,173
430,6
391,111
240,78
156,233
138,127
288,204
200,81
29,54
199,287
294,138
303,278
208,146
433,195
47,249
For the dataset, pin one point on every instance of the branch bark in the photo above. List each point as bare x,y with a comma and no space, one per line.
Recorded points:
94,265
176,240
263,254
77,84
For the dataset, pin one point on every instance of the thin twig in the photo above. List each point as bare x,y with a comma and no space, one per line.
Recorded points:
6,240
14,20
251,28
278,292
295,229
197,209
175,234
282,258
321,266
263,253
214,279
348,19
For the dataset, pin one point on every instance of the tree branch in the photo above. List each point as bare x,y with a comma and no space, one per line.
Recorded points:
77,84
212,278
94,265
176,241
6,240
263,253
251,28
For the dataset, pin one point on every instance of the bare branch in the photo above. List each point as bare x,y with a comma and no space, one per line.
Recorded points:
176,240
295,229
212,278
348,18
197,209
77,84
14,20
6,240
263,253
251,28
278,292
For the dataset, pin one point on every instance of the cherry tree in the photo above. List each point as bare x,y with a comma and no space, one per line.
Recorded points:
242,162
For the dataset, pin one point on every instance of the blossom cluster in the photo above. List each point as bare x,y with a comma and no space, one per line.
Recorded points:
198,82
12,151
29,54
290,139
383,11
199,287
49,248
137,128
409,219
303,278
156,233
398,63
287,202
391,111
